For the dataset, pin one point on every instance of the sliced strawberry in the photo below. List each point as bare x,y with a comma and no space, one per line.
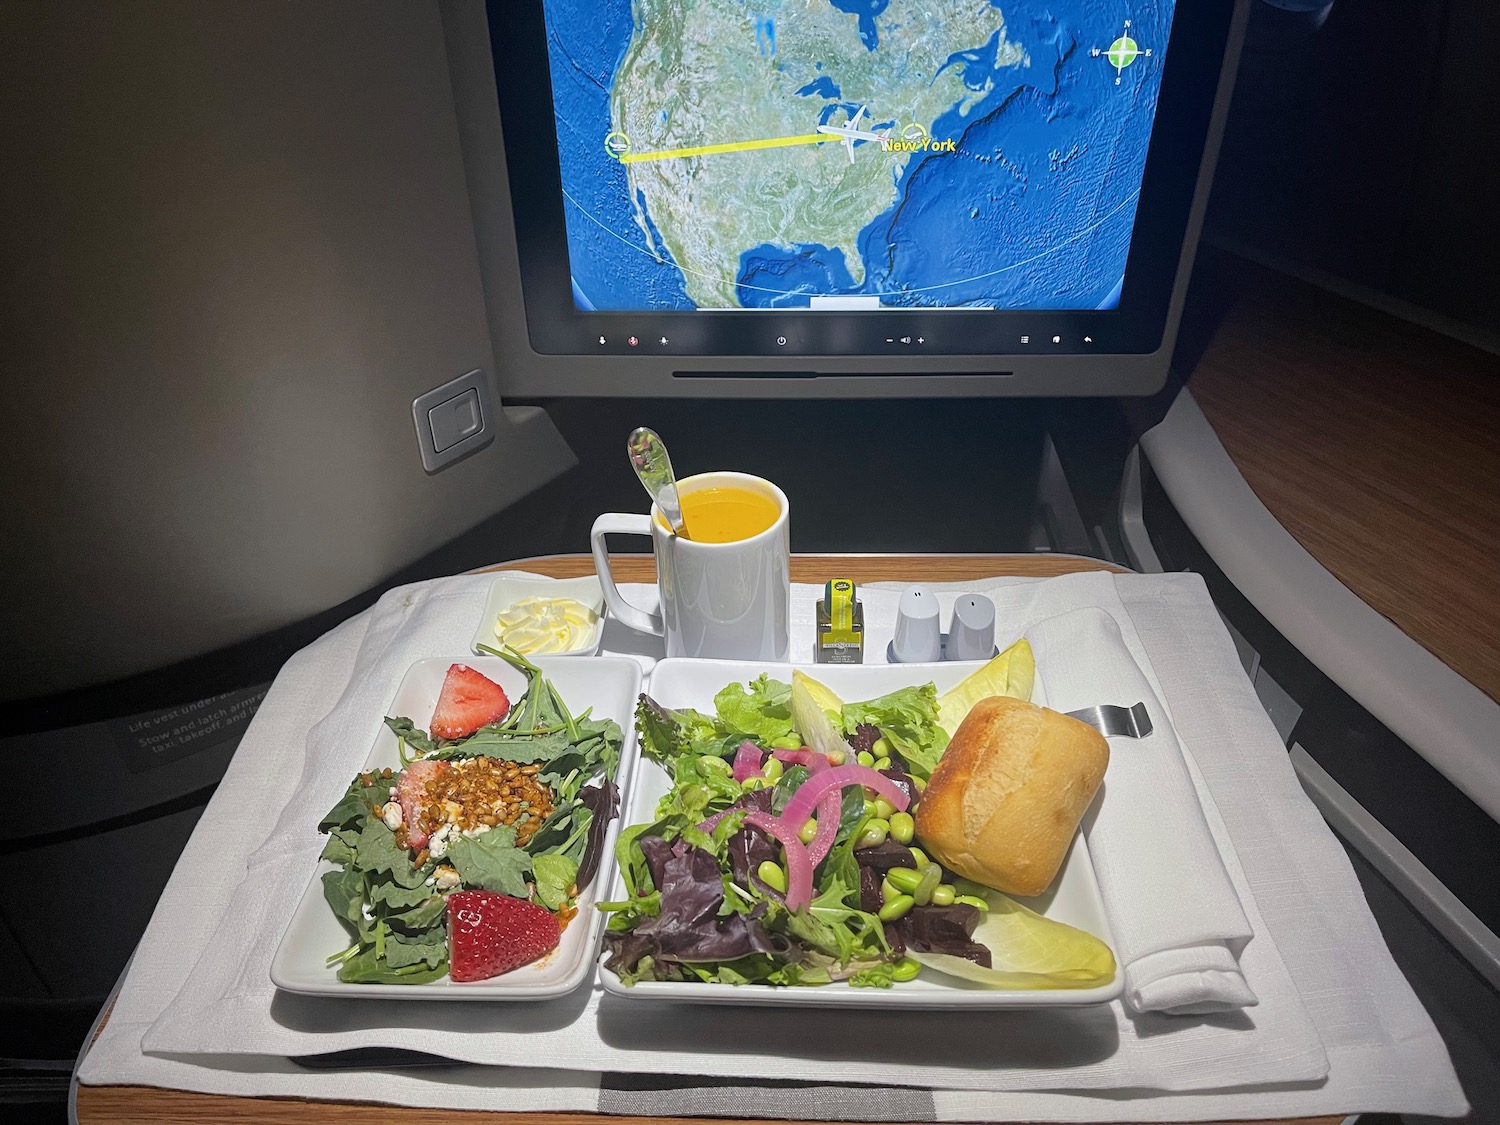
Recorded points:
490,934
468,701
411,791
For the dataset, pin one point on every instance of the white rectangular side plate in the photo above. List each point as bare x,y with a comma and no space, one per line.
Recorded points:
1073,898
608,685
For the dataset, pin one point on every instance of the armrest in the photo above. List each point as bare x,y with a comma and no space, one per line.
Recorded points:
1437,712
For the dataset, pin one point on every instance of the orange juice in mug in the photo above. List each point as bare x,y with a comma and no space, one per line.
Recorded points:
725,513
726,586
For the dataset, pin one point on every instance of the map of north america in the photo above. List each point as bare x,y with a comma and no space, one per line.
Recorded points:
971,153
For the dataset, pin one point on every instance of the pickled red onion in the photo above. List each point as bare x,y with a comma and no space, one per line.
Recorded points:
815,761
830,808
747,761
800,807
799,868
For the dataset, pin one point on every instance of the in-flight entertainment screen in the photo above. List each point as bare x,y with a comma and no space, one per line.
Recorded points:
847,155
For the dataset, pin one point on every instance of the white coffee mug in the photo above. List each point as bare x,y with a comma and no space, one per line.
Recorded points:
731,601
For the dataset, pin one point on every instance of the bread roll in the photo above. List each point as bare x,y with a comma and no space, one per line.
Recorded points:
1008,793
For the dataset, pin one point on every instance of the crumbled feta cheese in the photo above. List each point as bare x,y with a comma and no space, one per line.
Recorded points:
437,843
391,814
447,878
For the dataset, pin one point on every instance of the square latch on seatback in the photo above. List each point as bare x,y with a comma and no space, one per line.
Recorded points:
453,420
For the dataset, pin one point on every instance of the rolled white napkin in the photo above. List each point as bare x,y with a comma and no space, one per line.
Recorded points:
1178,923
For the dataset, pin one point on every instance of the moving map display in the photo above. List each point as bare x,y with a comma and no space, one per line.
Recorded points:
849,154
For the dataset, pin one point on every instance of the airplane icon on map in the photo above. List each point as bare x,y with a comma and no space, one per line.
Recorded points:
851,132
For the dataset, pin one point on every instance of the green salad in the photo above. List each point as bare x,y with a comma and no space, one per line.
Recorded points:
785,854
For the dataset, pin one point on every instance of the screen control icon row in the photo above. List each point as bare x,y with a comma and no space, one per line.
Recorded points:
1026,340
633,341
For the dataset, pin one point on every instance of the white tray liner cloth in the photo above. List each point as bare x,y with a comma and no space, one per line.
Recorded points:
215,1031
1099,1048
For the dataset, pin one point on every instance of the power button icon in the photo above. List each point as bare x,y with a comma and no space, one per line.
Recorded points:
781,341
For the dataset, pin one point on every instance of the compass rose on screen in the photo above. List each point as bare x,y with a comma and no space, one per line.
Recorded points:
1124,51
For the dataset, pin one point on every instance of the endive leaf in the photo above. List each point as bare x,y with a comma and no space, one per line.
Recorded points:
1028,950
811,702
1012,673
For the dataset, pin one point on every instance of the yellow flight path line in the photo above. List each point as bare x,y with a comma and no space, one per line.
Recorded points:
730,146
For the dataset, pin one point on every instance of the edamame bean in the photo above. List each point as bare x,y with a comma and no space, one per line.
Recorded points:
751,784
943,894
808,831
882,747
773,769
903,827
889,890
896,908
932,875
921,857
882,763
869,809
714,763
873,834
772,875
904,879
972,900
883,808
865,758
905,969
837,757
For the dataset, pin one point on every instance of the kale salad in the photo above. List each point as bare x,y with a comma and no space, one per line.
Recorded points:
493,826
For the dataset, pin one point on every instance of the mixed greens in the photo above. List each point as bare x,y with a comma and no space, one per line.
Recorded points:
737,882
391,896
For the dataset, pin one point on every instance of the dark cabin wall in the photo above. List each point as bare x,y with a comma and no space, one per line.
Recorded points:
1448,257
1370,153
235,243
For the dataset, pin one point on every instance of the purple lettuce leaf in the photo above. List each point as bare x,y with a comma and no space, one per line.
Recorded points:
604,802
688,927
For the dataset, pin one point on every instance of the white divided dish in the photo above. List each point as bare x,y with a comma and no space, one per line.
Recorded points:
609,687
508,589
1072,899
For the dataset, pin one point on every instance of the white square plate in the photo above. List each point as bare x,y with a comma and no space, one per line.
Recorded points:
507,589
1072,899
610,687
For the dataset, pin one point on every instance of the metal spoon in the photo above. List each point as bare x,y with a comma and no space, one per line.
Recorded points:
648,456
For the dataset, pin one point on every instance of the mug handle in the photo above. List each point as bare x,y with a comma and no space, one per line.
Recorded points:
616,523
